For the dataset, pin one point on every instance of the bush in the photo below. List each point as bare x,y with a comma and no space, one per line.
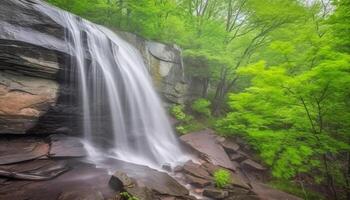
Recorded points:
181,129
177,112
201,106
222,178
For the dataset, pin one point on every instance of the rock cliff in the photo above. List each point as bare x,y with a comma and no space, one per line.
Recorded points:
35,66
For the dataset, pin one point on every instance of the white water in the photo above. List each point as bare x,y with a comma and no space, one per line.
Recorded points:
121,110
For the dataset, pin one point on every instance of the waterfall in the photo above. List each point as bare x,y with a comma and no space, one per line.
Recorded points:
121,110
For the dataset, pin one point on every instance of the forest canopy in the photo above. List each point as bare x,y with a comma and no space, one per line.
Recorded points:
275,72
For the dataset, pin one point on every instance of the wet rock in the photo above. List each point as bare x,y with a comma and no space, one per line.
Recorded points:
178,169
81,195
237,157
243,197
230,146
196,170
198,182
252,165
81,177
210,168
36,170
19,150
65,146
215,193
140,180
165,66
204,142
166,167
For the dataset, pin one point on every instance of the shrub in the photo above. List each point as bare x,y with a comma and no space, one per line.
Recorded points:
181,130
177,112
201,106
222,178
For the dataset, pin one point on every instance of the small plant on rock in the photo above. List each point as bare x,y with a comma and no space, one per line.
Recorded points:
222,178
127,196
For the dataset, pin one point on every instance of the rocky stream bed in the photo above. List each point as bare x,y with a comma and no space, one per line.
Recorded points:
56,167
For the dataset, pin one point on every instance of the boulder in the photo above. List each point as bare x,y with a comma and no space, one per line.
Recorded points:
215,193
145,182
204,142
230,146
238,157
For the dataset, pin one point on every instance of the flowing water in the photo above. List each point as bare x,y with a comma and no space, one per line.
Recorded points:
121,110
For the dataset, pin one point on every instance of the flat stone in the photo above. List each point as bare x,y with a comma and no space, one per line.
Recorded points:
250,164
196,170
81,177
65,146
198,182
22,149
205,143
90,194
243,197
230,146
237,157
215,193
37,170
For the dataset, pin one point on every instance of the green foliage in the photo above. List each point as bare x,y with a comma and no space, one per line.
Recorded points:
177,111
222,178
127,196
201,106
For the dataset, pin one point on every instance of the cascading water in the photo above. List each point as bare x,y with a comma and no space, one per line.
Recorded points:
120,106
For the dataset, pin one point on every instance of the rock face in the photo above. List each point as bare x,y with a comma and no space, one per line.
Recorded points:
23,99
165,65
36,95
